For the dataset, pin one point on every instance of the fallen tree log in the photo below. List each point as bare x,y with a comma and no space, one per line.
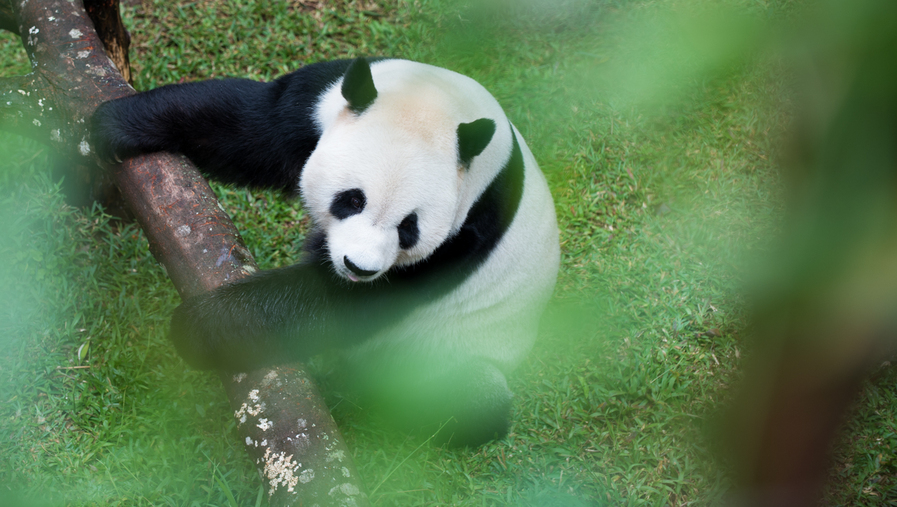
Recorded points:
284,424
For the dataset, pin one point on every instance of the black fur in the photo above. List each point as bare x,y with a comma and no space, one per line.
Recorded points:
237,131
466,403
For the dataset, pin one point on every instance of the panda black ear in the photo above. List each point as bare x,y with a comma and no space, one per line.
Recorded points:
473,138
358,86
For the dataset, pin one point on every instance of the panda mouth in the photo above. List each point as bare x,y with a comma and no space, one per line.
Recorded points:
358,279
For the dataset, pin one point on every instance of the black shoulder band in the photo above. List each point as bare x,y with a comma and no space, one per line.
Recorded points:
502,198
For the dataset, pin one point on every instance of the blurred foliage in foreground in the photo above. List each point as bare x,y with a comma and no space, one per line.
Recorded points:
659,124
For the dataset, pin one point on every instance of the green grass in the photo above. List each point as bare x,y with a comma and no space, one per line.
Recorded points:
659,204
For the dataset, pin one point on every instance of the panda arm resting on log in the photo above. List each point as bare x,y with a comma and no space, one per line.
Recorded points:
434,247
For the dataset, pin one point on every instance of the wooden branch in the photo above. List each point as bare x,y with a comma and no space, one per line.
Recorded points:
286,427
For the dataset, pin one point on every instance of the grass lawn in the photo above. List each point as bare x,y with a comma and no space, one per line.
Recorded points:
665,183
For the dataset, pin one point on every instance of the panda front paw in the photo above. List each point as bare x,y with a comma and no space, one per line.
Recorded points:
466,405
214,331
190,338
107,135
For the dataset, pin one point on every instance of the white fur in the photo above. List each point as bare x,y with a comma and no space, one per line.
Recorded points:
402,152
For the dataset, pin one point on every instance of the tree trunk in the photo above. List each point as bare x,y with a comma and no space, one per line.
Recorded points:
286,427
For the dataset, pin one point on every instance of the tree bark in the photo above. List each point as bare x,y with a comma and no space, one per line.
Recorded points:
286,427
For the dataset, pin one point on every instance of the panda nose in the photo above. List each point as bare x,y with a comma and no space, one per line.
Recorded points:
355,269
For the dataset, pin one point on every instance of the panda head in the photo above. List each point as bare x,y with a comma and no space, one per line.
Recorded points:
385,182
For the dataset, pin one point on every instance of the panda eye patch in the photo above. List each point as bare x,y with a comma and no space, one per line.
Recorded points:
347,203
408,231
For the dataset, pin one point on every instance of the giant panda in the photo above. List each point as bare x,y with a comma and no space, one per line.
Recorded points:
434,247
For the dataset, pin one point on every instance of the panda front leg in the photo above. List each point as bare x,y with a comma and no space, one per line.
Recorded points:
228,128
465,404
278,316
249,323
